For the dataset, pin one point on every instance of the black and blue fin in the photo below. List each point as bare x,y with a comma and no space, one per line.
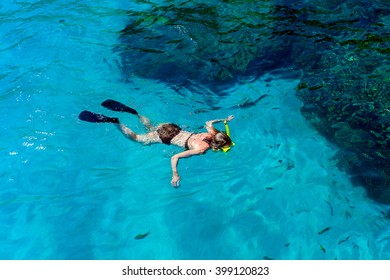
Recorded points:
117,106
88,116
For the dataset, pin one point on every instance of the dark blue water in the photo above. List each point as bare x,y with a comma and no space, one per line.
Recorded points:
305,180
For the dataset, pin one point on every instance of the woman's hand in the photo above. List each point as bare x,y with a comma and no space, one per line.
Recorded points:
175,182
230,118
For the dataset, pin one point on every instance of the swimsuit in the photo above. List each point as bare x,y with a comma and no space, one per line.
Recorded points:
186,143
167,132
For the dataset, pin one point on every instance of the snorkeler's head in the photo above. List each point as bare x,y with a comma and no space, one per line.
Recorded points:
220,141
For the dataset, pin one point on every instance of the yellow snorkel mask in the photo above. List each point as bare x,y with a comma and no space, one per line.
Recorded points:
226,149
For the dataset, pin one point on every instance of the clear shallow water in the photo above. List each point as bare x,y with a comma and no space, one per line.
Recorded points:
74,190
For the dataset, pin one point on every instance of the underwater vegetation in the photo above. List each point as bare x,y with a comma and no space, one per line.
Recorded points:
345,90
341,47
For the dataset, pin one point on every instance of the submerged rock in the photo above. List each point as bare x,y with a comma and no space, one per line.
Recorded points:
202,42
347,99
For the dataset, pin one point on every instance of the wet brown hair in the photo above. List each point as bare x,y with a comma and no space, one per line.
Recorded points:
220,140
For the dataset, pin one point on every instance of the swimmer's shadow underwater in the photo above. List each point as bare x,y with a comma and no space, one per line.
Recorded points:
168,133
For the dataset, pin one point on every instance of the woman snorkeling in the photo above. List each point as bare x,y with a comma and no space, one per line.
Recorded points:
168,133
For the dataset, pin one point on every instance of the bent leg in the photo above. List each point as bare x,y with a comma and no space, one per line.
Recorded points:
149,138
127,131
146,122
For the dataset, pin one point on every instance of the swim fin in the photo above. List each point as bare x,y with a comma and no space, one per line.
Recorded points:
117,106
96,118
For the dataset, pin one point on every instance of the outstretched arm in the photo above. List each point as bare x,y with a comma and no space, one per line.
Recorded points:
210,124
175,160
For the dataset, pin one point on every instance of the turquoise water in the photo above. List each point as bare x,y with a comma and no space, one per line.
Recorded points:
76,190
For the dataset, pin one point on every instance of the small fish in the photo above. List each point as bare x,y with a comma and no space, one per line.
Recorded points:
322,248
386,214
349,202
153,37
142,235
174,41
249,103
330,206
343,240
269,188
324,230
267,258
287,244
150,50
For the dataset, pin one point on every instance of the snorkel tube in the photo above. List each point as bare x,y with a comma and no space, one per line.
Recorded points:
227,130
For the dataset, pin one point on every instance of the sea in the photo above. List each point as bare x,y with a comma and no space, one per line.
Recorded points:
74,190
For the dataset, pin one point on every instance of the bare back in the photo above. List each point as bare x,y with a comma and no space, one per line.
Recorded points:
192,141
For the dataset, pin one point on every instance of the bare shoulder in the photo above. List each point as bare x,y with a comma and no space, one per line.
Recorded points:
200,141
202,136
